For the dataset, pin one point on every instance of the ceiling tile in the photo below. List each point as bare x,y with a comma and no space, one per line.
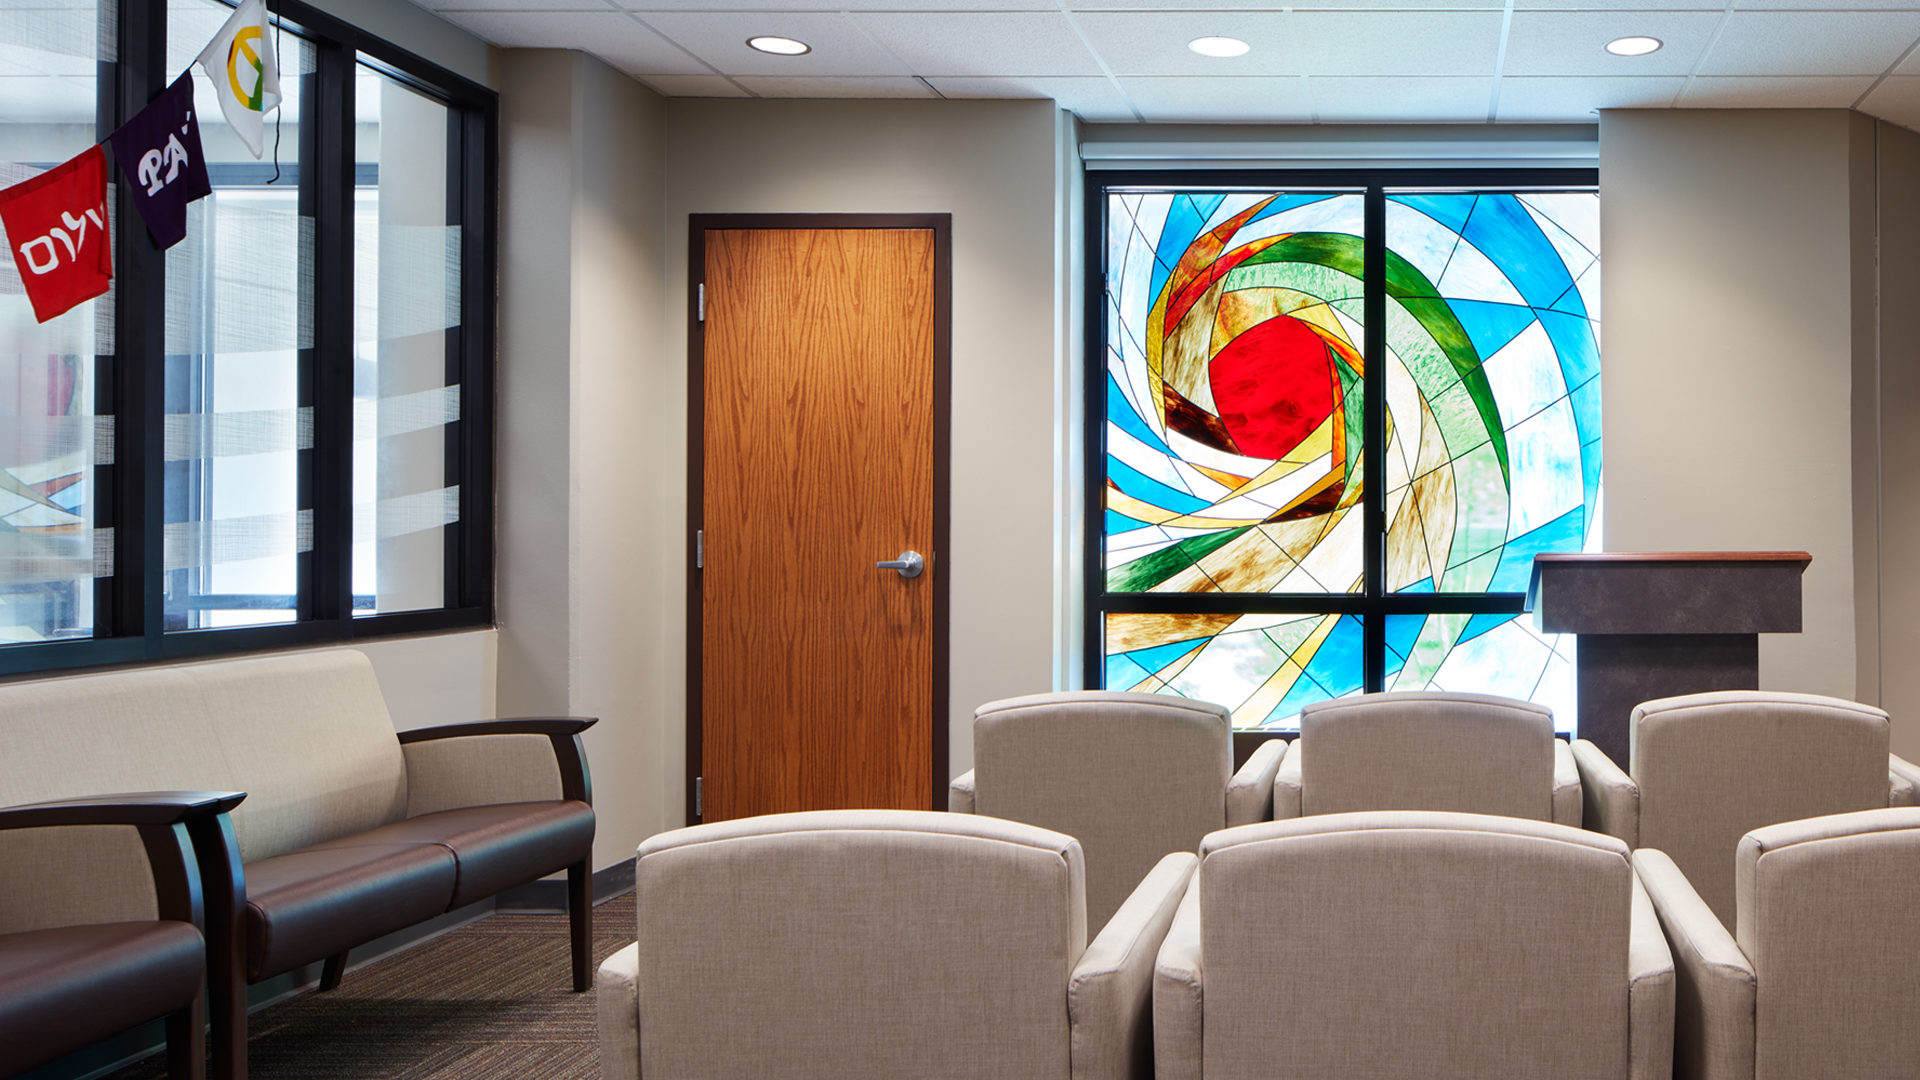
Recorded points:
835,87
1811,42
1897,99
694,86
447,6
982,44
1349,99
1851,5
1574,42
1095,99
1395,42
1778,92
720,38
1279,5
838,5
1715,6
1175,99
1155,42
612,36
1576,99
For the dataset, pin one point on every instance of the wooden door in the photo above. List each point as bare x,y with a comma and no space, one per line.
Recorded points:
820,429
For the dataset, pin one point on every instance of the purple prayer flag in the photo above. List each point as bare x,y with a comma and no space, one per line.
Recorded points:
159,151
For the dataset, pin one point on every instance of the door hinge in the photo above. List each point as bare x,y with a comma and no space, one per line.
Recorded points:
699,549
697,785
700,294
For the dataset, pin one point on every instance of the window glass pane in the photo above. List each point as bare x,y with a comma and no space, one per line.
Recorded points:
406,322
1493,385
239,317
51,442
1233,392
1263,667
1484,654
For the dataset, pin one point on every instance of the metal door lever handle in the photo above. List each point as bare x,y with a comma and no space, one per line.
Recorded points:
909,564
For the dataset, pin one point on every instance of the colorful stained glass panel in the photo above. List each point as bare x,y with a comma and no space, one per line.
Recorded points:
1234,397
1263,667
1493,405
1483,654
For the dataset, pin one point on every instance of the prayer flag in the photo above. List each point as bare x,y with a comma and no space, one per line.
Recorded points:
159,151
241,63
57,227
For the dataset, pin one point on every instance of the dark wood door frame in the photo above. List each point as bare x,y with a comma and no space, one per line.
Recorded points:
942,227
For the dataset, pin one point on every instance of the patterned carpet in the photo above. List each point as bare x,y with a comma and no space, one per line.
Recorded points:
489,1001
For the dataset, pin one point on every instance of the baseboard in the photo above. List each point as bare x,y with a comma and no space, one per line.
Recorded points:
550,894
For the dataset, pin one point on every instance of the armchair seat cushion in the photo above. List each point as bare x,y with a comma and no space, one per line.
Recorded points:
61,989
310,904
494,847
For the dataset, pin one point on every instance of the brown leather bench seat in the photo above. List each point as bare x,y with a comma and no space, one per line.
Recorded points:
351,830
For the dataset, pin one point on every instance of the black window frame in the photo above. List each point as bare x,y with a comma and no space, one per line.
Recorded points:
1375,602
128,494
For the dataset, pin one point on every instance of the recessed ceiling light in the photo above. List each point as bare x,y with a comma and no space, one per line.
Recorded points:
1633,46
1218,46
780,46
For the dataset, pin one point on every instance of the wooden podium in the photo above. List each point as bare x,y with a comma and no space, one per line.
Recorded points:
1657,624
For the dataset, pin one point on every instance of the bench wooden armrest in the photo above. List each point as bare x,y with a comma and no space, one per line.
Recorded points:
166,821
562,731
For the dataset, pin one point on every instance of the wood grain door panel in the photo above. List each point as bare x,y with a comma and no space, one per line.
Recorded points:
819,379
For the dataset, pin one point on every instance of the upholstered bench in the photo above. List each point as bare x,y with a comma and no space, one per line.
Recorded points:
349,831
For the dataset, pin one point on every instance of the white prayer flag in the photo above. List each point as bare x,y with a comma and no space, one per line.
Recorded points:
241,63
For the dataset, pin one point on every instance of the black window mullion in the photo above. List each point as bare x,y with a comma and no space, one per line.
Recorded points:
1373,627
326,196
133,487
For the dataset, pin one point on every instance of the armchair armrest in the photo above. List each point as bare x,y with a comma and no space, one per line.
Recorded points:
1650,993
618,993
1288,794
1109,996
562,731
1609,799
1903,781
1714,998
166,821
1178,995
960,794
1566,787
1250,790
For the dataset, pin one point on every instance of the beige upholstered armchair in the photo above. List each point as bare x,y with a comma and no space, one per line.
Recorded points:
1817,977
878,944
1474,753
1708,768
1131,776
1404,943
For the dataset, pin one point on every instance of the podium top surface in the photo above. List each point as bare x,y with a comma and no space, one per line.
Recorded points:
1678,592
1606,557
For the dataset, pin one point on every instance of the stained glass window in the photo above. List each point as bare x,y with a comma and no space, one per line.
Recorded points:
1247,400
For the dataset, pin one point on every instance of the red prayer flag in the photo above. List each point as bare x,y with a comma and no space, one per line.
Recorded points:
57,227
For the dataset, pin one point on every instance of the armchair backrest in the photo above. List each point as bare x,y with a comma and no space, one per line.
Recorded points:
1713,767
857,945
1401,943
1131,776
1473,753
1829,918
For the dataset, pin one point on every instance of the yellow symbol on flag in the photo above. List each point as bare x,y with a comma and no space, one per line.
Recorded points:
246,47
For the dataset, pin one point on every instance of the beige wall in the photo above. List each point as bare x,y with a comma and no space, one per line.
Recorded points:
585,518
1729,240
995,167
1891,640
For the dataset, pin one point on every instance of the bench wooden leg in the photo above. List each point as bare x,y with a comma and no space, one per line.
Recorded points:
331,971
187,1042
580,920
226,898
